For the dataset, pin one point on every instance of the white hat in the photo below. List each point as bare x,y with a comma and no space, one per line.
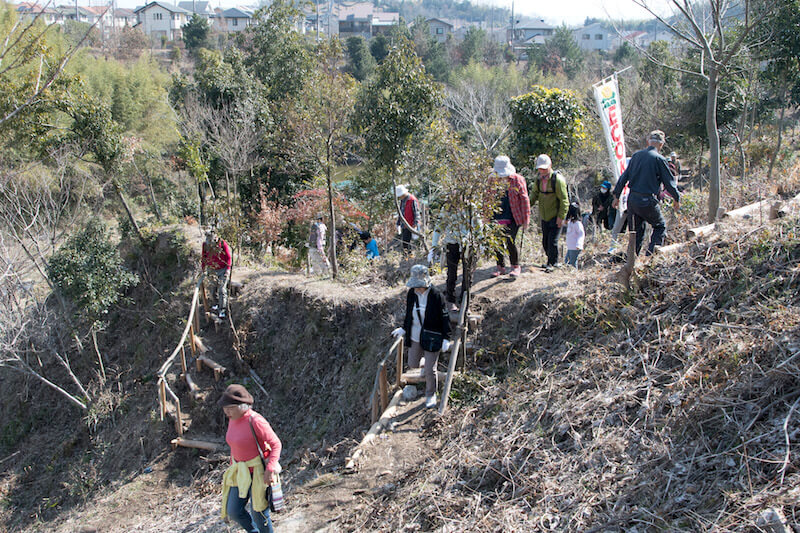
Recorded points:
503,166
543,161
400,191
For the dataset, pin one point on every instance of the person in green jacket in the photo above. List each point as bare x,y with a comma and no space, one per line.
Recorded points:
551,192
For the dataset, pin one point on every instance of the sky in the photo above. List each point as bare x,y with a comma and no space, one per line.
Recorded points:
574,12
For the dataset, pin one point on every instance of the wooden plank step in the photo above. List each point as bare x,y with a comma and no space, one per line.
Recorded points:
199,444
415,377
218,369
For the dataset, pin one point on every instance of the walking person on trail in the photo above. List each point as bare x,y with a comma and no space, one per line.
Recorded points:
316,247
550,190
674,165
255,451
450,233
217,256
426,328
575,234
409,207
514,213
646,173
603,213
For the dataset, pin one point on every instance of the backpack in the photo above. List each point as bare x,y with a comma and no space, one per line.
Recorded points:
557,175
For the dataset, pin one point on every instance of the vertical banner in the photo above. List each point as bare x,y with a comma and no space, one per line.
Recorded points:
606,93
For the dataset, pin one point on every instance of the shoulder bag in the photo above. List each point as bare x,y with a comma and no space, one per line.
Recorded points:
431,341
274,491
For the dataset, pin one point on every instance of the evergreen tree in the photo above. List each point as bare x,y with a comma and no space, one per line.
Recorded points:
196,33
362,64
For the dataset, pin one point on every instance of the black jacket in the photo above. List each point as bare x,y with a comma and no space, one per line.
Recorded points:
436,316
645,174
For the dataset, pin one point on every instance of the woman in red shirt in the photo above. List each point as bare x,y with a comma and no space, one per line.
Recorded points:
247,478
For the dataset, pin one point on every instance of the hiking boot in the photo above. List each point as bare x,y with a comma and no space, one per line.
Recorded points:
453,307
430,401
499,271
222,314
516,270
549,268
214,308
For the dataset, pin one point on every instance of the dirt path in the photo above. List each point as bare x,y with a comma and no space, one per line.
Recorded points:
166,498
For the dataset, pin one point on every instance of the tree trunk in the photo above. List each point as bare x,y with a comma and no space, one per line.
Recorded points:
713,142
328,172
125,205
780,135
202,198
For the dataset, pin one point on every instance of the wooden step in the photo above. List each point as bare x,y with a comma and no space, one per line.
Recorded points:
218,369
199,444
415,377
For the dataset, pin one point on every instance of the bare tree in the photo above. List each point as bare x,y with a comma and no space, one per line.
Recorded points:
705,26
482,111
38,206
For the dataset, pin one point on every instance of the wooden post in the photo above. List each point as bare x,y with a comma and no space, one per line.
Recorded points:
183,358
204,297
451,367
178,419
196,317
626,271
399,383
162,397
384,387
375,408
191,341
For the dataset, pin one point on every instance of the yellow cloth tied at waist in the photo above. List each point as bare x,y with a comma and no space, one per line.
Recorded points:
238,475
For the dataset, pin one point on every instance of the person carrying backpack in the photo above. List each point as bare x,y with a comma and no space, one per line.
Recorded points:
550,190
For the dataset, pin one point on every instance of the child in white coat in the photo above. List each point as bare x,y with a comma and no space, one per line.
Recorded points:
575,235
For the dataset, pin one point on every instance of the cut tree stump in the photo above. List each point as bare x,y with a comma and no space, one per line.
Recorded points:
702,231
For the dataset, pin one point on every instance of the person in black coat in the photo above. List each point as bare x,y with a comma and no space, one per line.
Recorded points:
426,325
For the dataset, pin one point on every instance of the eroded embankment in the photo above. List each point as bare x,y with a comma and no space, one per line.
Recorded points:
673,408
316,346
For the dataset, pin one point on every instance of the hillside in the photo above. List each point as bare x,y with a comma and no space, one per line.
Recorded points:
585,408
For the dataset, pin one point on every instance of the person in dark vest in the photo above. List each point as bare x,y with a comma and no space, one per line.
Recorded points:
409,207
425,315
647,172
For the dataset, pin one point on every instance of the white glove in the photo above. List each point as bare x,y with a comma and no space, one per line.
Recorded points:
430,256
399,332
445,345
414,237
399,228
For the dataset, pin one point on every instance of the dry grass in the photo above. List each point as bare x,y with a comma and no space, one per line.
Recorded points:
675,408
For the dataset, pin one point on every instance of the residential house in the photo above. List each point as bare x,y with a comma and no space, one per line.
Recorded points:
595,37
361,18
440,29
233,20
124,18
203,9
161,20
78,13
526,32
31,10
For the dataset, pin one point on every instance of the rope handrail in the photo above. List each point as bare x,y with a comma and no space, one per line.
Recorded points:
195,296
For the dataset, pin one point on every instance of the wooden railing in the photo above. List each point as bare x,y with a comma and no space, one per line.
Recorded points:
379,399
197,349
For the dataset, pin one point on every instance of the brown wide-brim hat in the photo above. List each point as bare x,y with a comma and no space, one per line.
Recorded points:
235,395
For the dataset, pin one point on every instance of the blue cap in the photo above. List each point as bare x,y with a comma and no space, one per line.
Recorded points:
606,184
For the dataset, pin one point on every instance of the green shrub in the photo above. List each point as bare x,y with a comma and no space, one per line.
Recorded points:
88,270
